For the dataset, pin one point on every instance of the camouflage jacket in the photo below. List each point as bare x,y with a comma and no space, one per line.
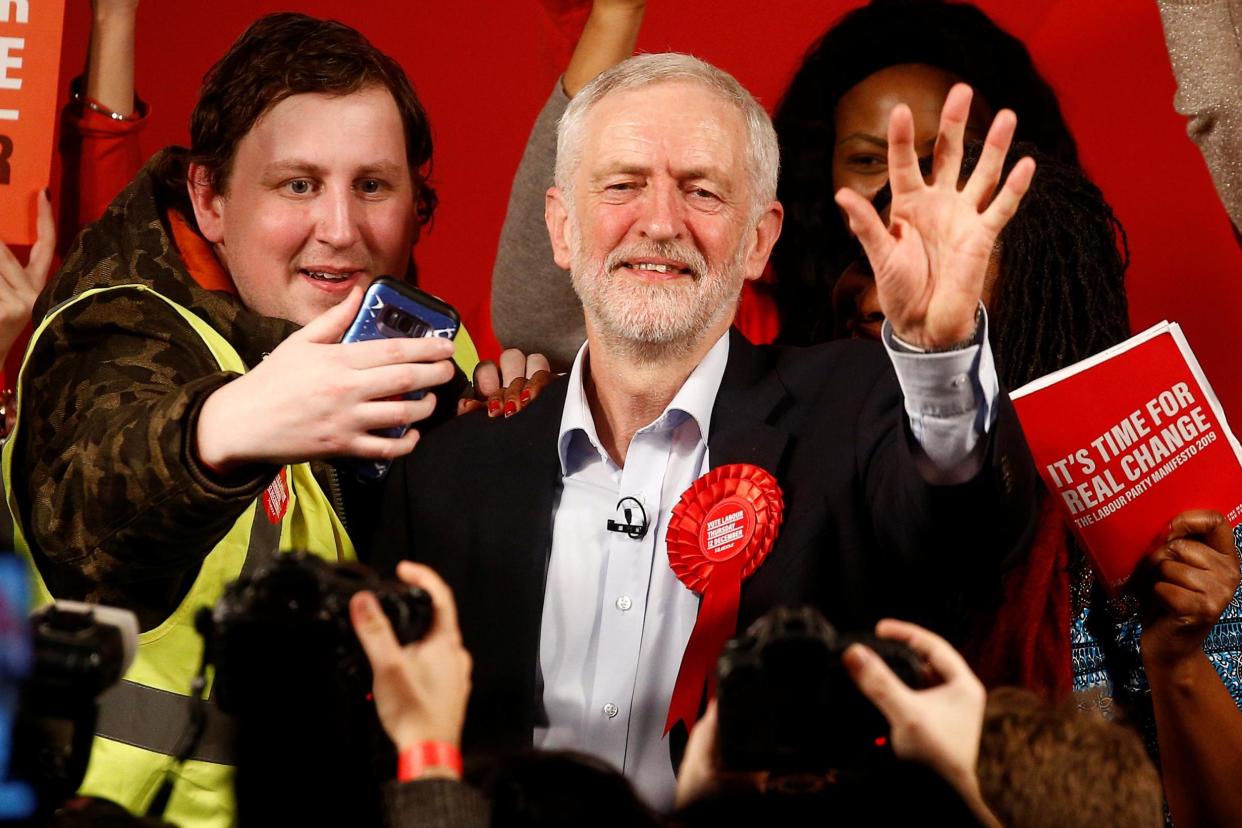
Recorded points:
115,505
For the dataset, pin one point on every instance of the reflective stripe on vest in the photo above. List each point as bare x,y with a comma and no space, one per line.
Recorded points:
143,719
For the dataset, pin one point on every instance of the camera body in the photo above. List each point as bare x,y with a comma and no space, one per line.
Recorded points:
77,651
290,670
293,614
786,704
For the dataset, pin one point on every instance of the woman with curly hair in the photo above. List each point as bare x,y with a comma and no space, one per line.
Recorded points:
831,125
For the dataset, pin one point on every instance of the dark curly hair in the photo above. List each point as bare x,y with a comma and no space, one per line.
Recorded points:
1061,294
287,54
956,37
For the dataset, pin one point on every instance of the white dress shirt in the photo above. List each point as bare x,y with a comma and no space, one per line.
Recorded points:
616,619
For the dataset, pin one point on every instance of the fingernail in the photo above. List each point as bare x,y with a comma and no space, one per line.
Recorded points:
510,408
365,606
857,654
493,408
524,397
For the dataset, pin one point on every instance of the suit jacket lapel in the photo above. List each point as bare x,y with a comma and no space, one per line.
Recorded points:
514,543
751,397
750,392
534,453
530,539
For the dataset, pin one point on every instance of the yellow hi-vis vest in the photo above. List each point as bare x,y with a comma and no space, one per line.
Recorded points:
143,719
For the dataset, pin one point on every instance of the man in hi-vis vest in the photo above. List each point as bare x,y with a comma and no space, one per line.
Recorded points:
185,386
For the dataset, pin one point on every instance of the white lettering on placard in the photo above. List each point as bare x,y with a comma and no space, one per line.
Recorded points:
7,7
9,61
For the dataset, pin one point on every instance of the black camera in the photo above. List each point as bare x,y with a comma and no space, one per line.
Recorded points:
290,670
293,614
78,652
786,703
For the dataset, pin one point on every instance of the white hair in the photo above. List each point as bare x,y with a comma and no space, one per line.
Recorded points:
762,154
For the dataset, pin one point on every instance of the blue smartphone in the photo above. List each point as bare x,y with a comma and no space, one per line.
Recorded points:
392,309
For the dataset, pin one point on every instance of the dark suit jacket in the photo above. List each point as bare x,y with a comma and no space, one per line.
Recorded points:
864,536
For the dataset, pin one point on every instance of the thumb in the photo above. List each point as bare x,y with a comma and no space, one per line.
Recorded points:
41,252
876,681
328,327
874,237
373,631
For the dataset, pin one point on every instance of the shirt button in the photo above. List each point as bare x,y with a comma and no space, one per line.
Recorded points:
959,380
624,603
611,710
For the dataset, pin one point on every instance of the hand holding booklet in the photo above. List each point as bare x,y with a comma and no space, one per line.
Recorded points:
1127,439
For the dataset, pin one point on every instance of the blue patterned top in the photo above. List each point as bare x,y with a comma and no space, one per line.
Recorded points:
1111,669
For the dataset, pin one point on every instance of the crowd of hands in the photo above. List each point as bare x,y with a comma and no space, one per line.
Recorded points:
421,689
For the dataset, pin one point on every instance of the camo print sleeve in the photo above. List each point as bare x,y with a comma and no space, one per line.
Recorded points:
113,499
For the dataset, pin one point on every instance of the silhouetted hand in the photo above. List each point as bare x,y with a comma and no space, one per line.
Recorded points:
938,726
420,689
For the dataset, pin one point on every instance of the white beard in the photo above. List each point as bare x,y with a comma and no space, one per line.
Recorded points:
655,318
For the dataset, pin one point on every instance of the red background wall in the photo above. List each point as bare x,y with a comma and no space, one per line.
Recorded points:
484,67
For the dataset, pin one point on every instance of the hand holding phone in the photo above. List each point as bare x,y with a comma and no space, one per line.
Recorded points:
392,309
315,398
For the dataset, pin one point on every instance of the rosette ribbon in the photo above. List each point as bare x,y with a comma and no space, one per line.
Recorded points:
719,533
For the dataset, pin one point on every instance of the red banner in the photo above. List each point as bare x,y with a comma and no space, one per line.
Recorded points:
30,38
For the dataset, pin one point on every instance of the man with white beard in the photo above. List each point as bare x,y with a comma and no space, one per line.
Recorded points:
680,482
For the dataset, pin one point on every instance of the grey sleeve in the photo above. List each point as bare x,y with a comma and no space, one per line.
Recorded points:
1206,52
534,306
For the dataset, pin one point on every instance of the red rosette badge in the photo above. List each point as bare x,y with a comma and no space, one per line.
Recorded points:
719,533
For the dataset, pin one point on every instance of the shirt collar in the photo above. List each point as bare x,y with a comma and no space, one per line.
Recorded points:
694,400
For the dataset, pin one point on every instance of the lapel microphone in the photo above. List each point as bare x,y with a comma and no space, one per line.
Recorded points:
627,506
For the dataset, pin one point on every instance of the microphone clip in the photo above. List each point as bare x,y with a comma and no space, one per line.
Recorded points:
636,530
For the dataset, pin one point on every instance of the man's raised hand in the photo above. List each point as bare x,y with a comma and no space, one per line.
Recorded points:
931,260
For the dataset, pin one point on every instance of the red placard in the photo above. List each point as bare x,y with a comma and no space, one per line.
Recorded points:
30,36
1128,439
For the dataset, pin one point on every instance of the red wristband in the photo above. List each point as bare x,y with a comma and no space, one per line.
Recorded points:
418,757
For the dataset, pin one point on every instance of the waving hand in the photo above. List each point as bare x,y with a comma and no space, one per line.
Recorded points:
931,260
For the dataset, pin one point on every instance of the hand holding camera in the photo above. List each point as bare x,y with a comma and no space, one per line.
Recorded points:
420,689
939,725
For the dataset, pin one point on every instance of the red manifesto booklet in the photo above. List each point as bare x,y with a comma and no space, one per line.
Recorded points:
1126,440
